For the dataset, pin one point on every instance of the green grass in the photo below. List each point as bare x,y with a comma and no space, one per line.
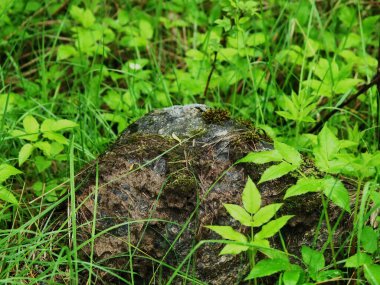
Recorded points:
105,66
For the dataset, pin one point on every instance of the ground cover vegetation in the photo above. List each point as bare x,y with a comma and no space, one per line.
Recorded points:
75,73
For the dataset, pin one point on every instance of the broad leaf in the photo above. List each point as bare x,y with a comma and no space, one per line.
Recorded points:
335,190
369,239
233,249
273,227
42,163
7,196
372,273
31,126
358,260
304,185
228,232
265,214
314,260
56,137
291,277
276,171
288,153
238,213
261,157
7,171
251,197
267,267
24,153
44,146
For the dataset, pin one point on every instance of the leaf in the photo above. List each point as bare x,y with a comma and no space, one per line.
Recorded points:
66,51
251,197
288,153
7,196
358,260
267,267
265,214
233,249
303,186
49,125
261,157
328,147
146,29
84,17
291,277
228,232
42,163
346,85
335,190
328,275
7,171
31,126
56,137
273,227
24,153
238,213
276,171
369,239
44,146
314,260
372,273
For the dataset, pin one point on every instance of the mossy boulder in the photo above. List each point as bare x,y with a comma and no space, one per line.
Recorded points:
164,179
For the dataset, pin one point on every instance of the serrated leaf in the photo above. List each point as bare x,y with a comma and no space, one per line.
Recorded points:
31,126
265,214
261,157
357,260
303,186
228,232
372,273
233,249
288,153
334,189
276,171
268,267
251,197
7,195
238,213
314,260
273,227
24,153
7,171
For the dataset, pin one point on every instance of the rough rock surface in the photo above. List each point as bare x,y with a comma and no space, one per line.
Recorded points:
164,179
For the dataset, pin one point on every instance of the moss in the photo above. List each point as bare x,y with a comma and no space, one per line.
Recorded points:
216,116
182,182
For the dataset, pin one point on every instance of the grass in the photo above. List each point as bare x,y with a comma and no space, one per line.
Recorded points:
104,65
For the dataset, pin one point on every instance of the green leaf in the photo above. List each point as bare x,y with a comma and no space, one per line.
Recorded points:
49,125
304,185
328,146
56,137
44,146
84,17
357,260
238,213
276,171
31,126
265,214
24,153
42,163
7,195
66,51
345,85
328,275
335,190
291,277
251,197
314,260
233,249
372,273
288,153
7,171
146,29
228,232
261,157
273,227
267,267
369,239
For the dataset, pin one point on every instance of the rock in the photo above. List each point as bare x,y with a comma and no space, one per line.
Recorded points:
164,179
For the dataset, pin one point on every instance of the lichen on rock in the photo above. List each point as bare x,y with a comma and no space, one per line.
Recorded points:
164,179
